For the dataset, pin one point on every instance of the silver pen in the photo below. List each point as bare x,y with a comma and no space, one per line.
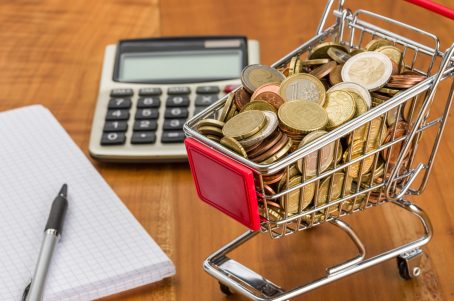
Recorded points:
34,290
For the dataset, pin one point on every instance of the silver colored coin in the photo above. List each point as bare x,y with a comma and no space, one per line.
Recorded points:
369,69
353,87
338,55
271,125
254,76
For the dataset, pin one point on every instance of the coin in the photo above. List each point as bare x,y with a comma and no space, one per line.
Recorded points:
234,145
210,130
301,116
271,125
269,87
336,181
210,122
293,201
314,62
356,88
369,69
265,145
377,43
280,153
321,50
361,105
244,124
326,155
392,155
340,107
356,51
377,172
388,91
241,98
324,69
357,151
227,105
335,76
374,138
292,172
272,98
253,76
214,138
292,65
259,105
392,52
303,87
274,178
281,143
232,112
338,55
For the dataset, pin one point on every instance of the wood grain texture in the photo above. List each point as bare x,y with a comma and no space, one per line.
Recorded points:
51,53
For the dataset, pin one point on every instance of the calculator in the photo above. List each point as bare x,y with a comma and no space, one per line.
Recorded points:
150,87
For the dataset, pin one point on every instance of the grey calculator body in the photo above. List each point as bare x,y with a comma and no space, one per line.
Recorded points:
150,87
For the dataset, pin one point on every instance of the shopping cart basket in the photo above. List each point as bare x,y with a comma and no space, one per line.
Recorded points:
235,185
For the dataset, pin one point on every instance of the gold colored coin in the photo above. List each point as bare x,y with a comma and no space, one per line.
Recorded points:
210,130
337,184
298,66
227,106
356,51
210,122
214,138
303,87
392,52
244,124
357,151
361,105
292,65
300,116
340,107
254,76
321,50
279,154
374,134
234,145
259,105
294,196
377,43
378,172
292,172
388,91
232,112
326,155
314,62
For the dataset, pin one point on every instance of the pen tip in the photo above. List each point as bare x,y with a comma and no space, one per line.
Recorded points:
64,190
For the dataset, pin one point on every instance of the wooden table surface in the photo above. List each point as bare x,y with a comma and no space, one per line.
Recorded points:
51,53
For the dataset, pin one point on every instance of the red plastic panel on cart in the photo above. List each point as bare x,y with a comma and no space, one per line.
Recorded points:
224,184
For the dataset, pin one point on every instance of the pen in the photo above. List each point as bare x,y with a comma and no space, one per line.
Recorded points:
52,232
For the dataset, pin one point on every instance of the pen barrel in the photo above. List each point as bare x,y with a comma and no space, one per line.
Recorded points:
42,267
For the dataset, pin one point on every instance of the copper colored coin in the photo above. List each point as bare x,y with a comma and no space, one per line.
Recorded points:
411,77
335,76
324,69
270,87
271,179
269,190
380,96
241,98
265,145
272,150
272,98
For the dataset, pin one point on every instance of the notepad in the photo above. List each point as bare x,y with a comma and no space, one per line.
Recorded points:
103,250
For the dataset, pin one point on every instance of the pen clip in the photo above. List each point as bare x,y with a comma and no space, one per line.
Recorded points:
26,290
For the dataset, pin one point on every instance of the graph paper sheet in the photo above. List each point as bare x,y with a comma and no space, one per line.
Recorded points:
103,250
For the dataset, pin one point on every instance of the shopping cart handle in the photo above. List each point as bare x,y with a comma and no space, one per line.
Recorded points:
435,7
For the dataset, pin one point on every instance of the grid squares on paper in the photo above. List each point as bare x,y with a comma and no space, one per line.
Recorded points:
103,248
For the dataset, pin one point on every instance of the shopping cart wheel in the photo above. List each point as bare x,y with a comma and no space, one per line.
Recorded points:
408,264
225,289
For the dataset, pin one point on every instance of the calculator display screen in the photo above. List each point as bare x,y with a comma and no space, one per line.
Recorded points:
181,66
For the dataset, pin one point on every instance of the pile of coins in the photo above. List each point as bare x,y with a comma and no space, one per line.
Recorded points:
277,111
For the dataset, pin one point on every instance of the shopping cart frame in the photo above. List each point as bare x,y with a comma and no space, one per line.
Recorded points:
398,182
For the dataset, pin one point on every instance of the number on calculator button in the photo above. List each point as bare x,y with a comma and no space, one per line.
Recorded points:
145,125
113,138
176,113
115,126
174,124
120,103
147,114
177,101
206,100
172,137
113,115
149,102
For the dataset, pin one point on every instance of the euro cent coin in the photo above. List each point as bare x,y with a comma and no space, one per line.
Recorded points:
340,107
254,76
301,116
244,124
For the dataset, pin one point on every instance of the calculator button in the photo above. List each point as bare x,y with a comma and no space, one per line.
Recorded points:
174,124
177,101
230,88
198,110
172,137
150,91
145,125
178,90
113,115
207,90
206,100
176,113
113,138
143,138
115,126
147,114
120,103
121,92
148,102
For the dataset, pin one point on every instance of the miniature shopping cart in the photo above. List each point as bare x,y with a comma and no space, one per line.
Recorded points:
235,185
